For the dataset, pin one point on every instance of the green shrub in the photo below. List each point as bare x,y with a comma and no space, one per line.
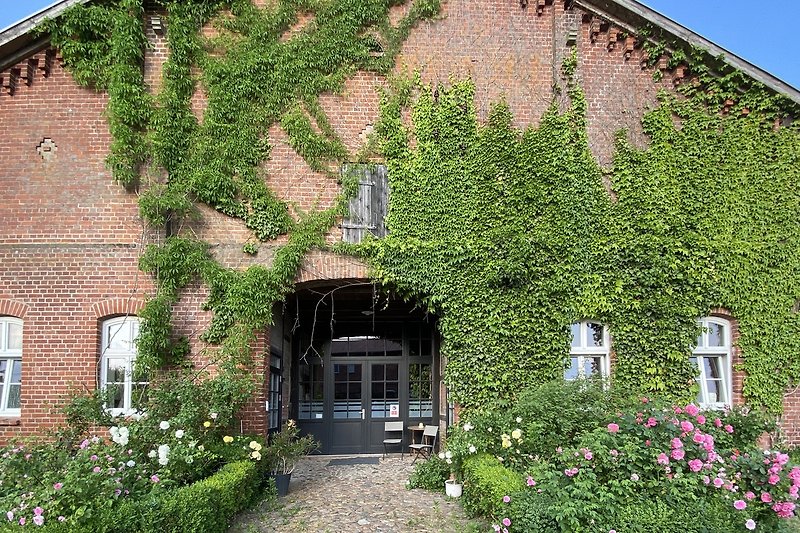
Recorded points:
429,475
531,511
486,481
659,516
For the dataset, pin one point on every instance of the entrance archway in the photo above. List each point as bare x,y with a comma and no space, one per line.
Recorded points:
359,359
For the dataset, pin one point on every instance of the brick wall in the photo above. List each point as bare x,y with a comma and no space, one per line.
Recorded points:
70,237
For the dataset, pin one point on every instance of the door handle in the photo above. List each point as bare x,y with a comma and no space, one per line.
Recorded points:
363,414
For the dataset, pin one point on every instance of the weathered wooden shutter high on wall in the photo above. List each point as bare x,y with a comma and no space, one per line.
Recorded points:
368,208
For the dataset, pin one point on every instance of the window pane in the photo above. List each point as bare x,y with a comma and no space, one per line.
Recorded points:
115,372
576,335
378,391
591,366
594,334
715,391
572,372
119,337
716,335
377,372
13,396
16,371
713,367
3,370
14,336
116,396
391,372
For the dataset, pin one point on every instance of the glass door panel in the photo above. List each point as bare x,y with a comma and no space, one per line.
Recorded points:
347,390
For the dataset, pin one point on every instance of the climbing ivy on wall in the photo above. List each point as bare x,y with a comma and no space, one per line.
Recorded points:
255,72
508,235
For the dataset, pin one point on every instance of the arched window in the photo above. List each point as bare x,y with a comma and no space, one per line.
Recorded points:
10,365
712,357
589,351
118,355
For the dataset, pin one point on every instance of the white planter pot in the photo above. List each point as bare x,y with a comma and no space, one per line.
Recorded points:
452,489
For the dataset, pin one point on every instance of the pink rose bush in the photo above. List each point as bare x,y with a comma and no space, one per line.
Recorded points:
648,453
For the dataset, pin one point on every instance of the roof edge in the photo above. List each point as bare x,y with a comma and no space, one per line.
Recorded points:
682,33
17,39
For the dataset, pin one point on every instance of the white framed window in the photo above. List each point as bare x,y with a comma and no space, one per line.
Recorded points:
10,365
118,356
589,351
712,357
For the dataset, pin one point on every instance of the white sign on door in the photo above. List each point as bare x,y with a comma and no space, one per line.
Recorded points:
394,410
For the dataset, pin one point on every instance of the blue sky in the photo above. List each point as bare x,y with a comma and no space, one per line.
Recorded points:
760,31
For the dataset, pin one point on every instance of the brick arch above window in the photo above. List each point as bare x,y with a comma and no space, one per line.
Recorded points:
13,308
117,306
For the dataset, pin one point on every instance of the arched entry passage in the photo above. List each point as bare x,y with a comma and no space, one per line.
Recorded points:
359,359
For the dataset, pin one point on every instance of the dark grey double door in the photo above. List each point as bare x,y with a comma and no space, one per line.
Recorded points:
364,395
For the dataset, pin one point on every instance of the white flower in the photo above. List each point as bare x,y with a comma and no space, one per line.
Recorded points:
448,454
163,454
441,455
472,449
122,440
449,461
152,454
124,432
131,463
468,426
519,419
256,455
189,460
179,434
114,430
164,425
201,448
255,446
214,416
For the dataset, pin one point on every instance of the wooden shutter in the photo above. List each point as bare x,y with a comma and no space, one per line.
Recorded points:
368,208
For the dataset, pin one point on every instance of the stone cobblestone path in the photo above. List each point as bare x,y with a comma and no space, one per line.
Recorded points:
356,498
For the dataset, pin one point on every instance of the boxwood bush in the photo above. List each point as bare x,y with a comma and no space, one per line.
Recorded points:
486,481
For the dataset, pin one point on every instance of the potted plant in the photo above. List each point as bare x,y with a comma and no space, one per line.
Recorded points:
284,450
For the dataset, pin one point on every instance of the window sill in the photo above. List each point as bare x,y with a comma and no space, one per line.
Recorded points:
10,421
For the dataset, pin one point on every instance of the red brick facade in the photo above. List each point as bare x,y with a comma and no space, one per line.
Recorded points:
71,237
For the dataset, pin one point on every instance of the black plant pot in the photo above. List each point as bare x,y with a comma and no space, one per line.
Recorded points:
281,482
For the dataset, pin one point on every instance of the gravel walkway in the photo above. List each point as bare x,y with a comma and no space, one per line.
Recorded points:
356,498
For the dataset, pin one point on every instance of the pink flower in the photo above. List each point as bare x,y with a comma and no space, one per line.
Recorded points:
37,511
588,455
496,528
687,426
706,480
58,486
699,438
729,428
718,422
62,518
96,470
781,458
678,411
663,459
784,509
38,520
773,479
718,482
22,521
701,419
569,472
750,524
506,499
506,522
676,443
651,422
93,458
613,428
154,478
531,482
766,497
613,453
677,454
691,410
695,465
749,495
739,505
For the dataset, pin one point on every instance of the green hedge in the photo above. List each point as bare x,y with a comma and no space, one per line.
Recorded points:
206,506
486,481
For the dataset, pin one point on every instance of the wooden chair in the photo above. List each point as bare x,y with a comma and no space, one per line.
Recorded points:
393,436
425,448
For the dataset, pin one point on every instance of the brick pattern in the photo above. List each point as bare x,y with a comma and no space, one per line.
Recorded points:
70,237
